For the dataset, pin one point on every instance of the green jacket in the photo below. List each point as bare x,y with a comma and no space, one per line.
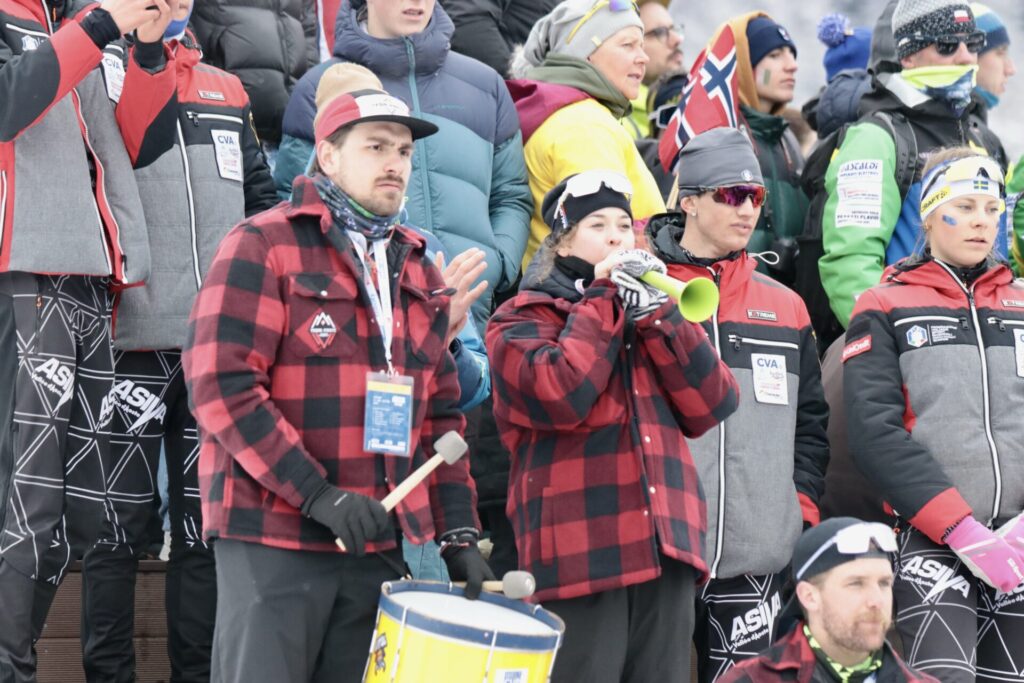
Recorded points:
782,162
1016,185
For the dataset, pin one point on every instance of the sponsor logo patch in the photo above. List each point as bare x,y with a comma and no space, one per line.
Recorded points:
961,16
935,576
855,348
917,336
212,95
29,43
323,329
57,378
754,314
1013,303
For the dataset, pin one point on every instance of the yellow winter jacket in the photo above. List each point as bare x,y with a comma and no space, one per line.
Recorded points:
584,136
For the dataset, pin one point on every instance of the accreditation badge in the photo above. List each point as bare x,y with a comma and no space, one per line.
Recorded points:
387,426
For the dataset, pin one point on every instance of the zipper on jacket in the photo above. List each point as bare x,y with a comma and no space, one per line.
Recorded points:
421,149
194,241
986,401
196,117
1001,323
737,341
720,513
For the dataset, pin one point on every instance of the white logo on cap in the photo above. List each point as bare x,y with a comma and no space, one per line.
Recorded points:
747,175
785,35
381,105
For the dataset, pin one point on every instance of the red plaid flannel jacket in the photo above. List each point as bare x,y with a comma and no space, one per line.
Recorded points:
280,341
594,410
790,658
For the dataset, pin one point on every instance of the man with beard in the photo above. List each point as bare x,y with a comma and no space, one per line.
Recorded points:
841,609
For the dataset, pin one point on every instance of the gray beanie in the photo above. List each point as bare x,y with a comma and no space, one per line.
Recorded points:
915,23
554,31
717,158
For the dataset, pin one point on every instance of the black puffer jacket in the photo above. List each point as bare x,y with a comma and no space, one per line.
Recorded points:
268,44
488,30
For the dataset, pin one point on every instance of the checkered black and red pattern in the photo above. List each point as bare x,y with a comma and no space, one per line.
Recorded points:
279,397
594,411
790,658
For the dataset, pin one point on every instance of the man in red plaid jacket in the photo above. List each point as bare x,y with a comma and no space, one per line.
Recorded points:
307,311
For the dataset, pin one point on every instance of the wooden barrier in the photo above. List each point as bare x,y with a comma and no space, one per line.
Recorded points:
60,650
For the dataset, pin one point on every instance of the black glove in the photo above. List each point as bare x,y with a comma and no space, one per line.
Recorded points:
352,517
465,563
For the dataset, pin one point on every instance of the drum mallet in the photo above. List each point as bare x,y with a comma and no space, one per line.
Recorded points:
516,585
449,448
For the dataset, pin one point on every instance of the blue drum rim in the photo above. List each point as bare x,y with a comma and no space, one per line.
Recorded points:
472,634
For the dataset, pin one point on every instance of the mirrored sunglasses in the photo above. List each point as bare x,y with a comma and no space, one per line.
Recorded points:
736,195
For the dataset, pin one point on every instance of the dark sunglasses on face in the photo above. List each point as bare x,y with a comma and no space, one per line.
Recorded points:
948,45
662,33
736,195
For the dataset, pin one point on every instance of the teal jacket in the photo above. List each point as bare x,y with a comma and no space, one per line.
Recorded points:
468,185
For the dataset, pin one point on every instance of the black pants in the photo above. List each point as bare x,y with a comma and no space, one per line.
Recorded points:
54,444
735,620
150,406
635,634
291,616
954,626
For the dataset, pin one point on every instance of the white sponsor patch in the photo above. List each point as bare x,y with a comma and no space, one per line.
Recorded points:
770,384
211,95
228,150
512,675
29,43
942,333
1018,343
859,190
113,74
917,336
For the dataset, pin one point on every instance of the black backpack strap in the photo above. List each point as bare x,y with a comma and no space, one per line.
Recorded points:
902,133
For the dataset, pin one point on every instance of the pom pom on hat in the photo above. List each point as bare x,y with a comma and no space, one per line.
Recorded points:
848,48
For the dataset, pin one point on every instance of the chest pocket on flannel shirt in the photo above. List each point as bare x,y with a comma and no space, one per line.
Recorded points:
321,310
426,323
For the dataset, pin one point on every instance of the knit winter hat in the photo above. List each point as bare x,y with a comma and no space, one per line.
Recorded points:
848,48
764,34
343,78
578,27
993,26
915,23
561,209
717,158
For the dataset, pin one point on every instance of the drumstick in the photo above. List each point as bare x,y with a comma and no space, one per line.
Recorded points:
515,585
449,448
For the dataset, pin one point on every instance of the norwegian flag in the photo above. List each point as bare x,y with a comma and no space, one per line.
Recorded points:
710,100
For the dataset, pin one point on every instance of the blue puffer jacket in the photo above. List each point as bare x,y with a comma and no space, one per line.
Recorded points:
468,183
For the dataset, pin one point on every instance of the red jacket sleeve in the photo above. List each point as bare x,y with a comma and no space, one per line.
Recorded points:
147,112
700,387
548,371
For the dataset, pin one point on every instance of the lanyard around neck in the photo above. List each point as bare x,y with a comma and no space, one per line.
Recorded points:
379,293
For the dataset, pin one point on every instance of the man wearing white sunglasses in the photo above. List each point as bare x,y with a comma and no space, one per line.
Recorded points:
843,608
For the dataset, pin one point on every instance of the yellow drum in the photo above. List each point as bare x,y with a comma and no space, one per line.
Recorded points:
429,632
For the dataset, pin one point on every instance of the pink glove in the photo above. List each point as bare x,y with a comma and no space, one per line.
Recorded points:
988,556
1013,533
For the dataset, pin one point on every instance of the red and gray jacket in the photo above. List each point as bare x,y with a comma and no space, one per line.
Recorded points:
763,469
934,391
790,658
68,198
594,410
213,177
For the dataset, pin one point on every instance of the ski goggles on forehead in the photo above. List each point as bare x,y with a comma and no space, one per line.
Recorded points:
948,44
736,195
854,540
590,182
612,5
